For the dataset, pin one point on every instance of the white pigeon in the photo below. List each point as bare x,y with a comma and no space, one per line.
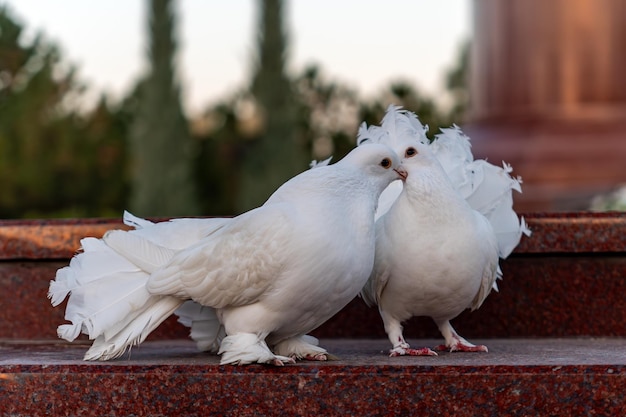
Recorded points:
440,234
269,275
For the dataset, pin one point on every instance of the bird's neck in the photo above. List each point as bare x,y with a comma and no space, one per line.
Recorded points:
433,195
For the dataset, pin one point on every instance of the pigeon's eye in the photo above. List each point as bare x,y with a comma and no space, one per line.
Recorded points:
386,163
410,152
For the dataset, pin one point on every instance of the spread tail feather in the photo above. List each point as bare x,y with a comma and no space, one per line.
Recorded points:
108,298
130,333
205,328
487,188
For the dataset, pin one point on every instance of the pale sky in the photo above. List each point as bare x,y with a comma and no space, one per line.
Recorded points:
363,43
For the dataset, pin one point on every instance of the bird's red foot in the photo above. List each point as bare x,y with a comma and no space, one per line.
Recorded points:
400,351
462,347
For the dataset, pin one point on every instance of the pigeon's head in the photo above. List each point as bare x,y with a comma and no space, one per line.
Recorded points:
378,162
416,156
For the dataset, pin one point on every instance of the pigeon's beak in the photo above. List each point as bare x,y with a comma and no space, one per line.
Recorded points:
401,173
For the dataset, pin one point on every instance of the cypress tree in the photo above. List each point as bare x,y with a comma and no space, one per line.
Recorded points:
278,153
43,162
160,138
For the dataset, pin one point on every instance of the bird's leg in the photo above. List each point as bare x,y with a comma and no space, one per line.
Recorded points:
400,346
302,347
245,348
454,342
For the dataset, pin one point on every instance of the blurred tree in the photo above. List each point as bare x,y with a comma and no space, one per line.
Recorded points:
328,114
161,146
279,151
403,94
220,140
46,162
457,84
106,128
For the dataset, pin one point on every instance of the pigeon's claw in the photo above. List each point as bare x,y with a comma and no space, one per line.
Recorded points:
322,357
472,348
456,343
282,361
302,347
406,351
462,347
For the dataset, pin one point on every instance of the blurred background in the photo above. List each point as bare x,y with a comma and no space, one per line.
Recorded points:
195,107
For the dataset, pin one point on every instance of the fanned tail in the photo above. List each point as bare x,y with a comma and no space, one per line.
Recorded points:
205,328
486,187
136,222
128,333
108,299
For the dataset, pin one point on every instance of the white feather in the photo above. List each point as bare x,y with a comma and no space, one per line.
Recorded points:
438,241
486,187
206,329
314,236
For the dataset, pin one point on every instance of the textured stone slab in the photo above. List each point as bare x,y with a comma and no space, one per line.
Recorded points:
578,232
49,239
540,296
568,279
517,378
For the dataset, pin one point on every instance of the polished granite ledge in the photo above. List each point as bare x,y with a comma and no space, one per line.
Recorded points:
579,232
517,377
540,296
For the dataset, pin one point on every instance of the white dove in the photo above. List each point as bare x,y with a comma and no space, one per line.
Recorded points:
435,254
271,274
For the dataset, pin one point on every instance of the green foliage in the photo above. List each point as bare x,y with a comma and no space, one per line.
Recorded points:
403,94
277,152
328,114
612,201
218,163
458,85
50,161
161,146
57,162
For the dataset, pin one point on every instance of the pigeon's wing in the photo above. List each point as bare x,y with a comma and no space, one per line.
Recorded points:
234,266
375,285
373,288
491,271
175,234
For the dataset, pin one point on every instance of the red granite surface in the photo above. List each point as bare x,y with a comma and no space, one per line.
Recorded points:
577,232
540,296
552,233
49,239
517,378
29,314
568,279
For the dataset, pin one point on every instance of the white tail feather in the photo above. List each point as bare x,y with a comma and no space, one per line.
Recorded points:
143,253
97,306
132,332
97,261
106,285
205,328
487,188
136,222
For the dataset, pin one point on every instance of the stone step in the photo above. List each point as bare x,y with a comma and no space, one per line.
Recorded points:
518,377
568,279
